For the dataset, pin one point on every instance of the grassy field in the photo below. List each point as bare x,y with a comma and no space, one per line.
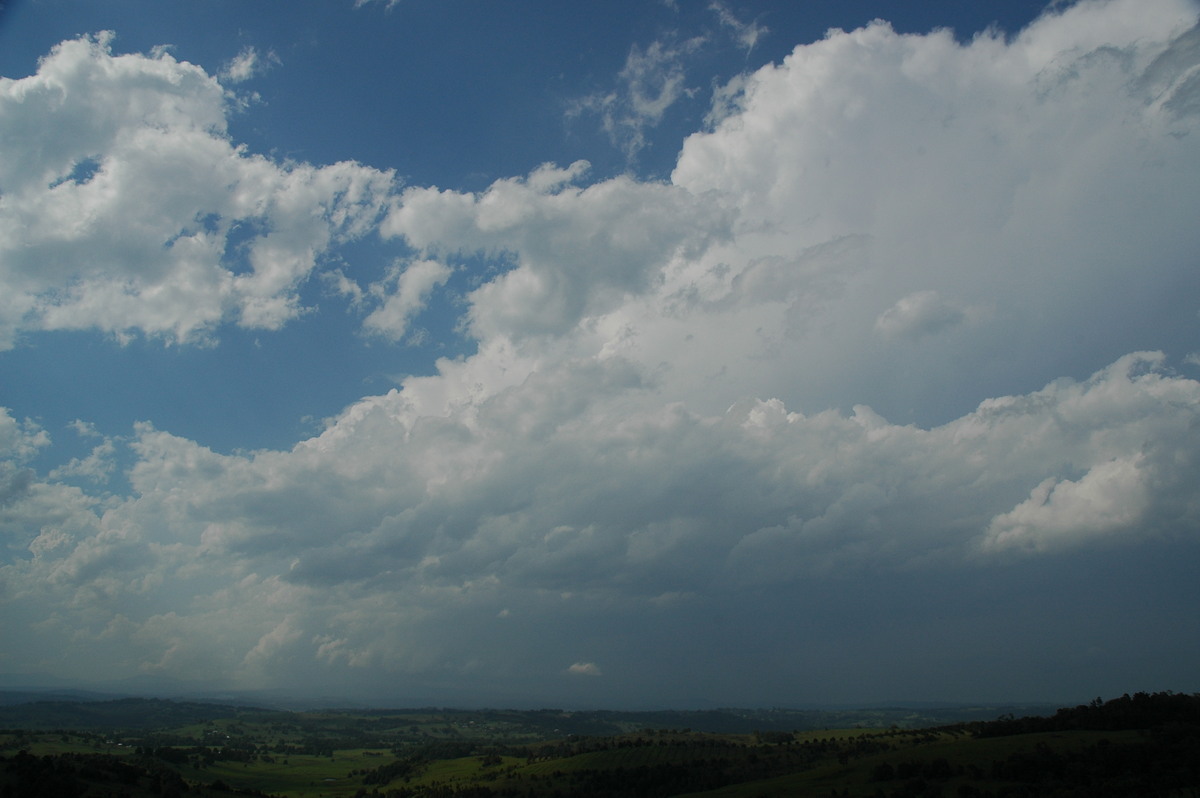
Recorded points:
294,776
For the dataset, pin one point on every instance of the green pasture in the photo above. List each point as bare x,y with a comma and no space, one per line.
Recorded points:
294,775
635,757
51,744
461,771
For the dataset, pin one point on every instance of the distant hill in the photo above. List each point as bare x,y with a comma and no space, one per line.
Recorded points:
22,710
121,713
14,697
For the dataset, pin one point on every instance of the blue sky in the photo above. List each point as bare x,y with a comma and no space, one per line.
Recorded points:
601,354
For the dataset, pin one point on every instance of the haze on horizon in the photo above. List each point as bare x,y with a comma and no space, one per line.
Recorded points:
745,353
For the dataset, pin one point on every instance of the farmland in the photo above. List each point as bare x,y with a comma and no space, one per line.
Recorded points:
1145,744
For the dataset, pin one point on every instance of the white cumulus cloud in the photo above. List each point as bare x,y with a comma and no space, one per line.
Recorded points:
123,198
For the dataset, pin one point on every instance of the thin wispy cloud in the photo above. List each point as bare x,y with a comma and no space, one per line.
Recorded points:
653,79
746,33
584,669
248,64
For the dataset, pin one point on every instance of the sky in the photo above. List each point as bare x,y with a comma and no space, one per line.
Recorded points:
638,354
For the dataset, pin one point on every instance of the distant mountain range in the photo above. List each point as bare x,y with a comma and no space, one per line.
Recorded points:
27,688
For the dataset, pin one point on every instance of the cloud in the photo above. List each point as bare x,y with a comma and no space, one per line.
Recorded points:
136,214
247,64
584,669
717,421
917,154
20,440
561,499
577,252
920,313
97,466
652,80
412,287
1110,497
746,33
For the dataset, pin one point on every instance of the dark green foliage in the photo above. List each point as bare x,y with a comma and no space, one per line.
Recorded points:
1141,711
84,774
